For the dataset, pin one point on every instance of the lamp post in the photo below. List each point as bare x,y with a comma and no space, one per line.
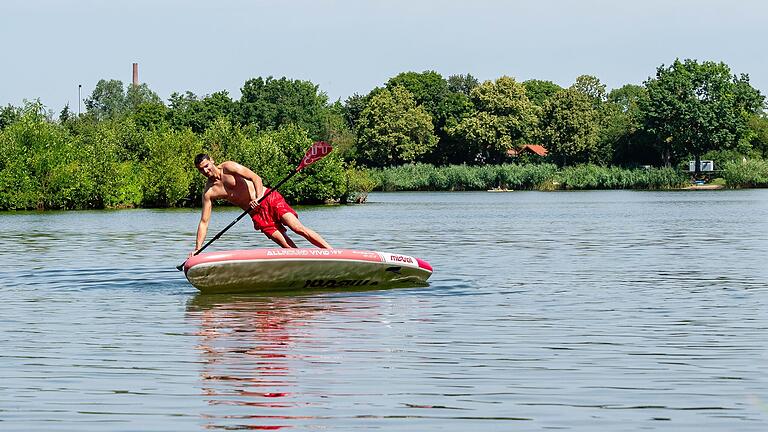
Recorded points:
79,86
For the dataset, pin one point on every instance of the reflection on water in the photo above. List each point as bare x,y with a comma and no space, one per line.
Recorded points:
589,311
247,346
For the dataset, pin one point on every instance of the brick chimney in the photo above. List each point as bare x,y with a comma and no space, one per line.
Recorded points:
135,74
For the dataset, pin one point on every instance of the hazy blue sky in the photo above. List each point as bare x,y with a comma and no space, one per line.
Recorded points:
351,46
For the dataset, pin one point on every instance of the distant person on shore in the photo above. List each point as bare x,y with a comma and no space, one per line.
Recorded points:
243,188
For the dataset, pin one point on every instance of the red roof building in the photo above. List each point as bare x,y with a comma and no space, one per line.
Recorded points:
528,148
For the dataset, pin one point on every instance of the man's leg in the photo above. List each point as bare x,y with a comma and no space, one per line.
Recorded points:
282,240
292,222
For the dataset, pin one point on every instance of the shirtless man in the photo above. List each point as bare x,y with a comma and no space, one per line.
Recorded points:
243,188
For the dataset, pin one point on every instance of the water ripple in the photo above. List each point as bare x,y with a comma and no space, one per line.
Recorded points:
618,311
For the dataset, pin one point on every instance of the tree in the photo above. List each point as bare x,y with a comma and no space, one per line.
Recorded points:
696,107
462,83
217,105
107,100
393,130
629,98
8,115
340,134
431,91
353,106
140,94
623,127
591,87
452,148
150,115
503,118
758,137
186,110
569,126
65,114
538,91
270,103
428,88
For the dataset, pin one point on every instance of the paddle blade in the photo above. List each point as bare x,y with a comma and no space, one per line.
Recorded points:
318,151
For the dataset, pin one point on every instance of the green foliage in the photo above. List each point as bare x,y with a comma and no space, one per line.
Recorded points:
150,115
339,133
168,172
8,115
569,126
419,177
359,182
591,87
462,84
269,104
428,88
746,173
353,107
446,102
721,157
451,148
107,100
186,111
65,115
597,177
38,164
129,149
110,101
504,118
393,130
521,177
539,91
136,95
758,133
111,171
223,140
695,107
622,128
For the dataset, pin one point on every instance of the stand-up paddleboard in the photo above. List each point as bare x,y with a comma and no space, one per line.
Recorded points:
278,269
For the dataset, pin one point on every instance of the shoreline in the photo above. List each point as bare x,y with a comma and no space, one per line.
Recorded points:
703,187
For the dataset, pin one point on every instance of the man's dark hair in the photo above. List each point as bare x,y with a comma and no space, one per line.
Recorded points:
201,157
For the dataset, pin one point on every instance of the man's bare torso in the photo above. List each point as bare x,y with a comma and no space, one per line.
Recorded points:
233,188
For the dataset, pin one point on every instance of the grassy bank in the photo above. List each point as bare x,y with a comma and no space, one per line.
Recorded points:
746,174
421,177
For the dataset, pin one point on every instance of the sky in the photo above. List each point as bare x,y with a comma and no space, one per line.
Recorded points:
49,47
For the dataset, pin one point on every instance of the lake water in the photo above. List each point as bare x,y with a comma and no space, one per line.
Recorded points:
577,311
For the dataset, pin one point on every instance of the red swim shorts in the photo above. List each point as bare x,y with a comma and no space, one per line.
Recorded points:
266,217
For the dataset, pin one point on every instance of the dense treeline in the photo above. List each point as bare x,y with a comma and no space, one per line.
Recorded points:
129,148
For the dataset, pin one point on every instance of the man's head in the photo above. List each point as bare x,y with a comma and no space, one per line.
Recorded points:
205,165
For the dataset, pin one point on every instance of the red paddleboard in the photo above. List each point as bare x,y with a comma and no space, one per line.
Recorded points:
273,269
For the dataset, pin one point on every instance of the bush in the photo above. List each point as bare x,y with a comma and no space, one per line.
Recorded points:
749,173
523,177
359,184
40,165
169,172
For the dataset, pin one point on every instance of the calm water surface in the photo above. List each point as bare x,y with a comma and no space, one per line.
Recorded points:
581,311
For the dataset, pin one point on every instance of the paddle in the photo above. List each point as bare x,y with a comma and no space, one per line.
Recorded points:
318,151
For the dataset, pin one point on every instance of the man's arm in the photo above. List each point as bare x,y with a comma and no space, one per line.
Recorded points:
202,227
235,168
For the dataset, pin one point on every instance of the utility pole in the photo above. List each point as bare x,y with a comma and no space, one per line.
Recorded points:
79,86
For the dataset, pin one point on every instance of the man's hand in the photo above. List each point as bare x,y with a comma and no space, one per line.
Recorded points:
253,204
